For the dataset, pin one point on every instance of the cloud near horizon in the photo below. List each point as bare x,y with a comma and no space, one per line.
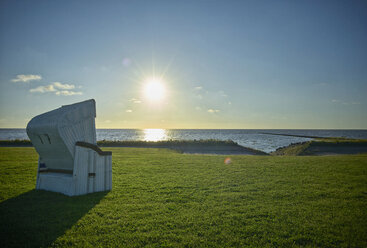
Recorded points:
26,78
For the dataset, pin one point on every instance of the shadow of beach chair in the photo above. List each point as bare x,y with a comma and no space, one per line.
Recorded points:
70,162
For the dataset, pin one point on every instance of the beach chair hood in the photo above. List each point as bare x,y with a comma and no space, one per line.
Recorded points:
70,162
54,133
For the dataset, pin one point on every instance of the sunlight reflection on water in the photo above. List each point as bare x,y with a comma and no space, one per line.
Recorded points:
154,134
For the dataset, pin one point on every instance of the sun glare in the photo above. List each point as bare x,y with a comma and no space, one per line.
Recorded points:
154,90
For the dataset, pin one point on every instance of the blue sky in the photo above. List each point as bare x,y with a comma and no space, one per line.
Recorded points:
224,64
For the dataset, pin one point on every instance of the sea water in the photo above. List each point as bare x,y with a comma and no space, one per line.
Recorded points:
246,137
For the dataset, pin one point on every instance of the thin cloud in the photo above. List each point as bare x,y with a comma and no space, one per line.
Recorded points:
43,89
345,103
351,103
210,97
60,89
212,111
68,93
134,100
64,86
221,93
129,111
26,78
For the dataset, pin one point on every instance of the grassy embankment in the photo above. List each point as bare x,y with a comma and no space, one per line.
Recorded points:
166,199
210,146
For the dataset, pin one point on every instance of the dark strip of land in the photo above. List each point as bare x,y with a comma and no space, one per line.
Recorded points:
324,147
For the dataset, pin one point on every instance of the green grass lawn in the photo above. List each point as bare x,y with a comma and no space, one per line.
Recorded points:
161,198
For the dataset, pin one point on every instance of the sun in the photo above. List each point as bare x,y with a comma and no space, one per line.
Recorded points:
154,90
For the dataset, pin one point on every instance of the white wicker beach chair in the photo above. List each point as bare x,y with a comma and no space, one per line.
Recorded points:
70,162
